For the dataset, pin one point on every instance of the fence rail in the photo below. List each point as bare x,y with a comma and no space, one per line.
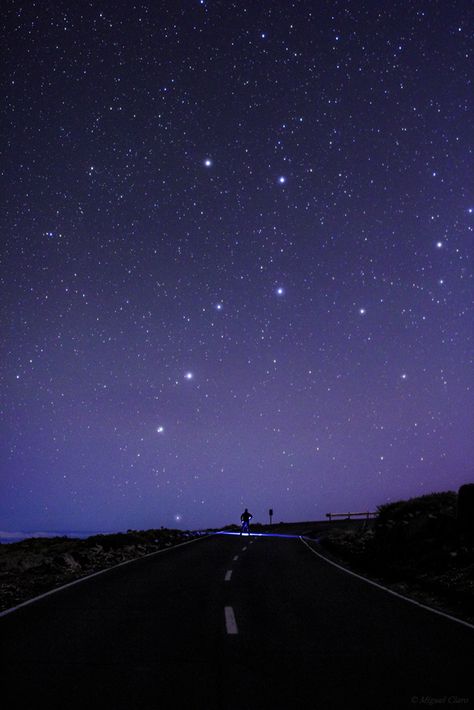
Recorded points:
348,516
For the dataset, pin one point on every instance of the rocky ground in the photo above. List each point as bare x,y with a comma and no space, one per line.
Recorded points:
37,565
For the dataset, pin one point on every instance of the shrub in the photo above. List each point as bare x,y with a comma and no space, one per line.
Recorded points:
465,509
417,523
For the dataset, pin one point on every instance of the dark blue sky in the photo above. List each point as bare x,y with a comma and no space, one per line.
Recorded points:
237,259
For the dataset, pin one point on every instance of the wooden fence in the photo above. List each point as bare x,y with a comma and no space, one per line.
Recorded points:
348,516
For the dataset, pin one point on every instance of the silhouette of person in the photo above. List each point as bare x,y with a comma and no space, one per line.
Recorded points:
245,519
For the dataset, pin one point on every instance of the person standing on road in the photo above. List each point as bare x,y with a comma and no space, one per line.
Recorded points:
245,519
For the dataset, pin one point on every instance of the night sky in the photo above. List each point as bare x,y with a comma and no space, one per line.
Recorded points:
237,245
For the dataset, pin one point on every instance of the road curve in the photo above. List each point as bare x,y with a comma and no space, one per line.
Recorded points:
231,622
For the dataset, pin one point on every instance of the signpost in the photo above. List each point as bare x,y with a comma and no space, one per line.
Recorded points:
270,513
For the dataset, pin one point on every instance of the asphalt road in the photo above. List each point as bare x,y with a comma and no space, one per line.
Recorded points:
229,622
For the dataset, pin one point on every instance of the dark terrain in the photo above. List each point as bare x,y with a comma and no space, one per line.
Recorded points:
36,565
416,547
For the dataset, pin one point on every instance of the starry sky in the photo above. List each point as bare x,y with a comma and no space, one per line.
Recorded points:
237,244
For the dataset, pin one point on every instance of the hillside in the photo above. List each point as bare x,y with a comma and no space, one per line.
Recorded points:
415,547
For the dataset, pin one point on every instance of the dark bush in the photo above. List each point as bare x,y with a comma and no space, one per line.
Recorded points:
465,510
431,503
417,524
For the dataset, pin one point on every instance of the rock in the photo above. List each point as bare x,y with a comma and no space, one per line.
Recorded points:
67,561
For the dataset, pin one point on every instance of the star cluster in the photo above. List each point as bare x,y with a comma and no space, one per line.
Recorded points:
237,246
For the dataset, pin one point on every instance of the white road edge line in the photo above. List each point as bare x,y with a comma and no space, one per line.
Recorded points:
230,623
228,575
95,574
386,589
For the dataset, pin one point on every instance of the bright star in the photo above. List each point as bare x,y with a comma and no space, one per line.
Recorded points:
439,245
219,306
362,311
160,429
189,376
208,162
280,291
282,179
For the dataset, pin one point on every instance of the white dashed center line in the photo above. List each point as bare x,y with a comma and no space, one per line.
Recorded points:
244,548
230,623
235,558
228,575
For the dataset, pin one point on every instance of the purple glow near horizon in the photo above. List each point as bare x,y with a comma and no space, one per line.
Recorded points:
237,260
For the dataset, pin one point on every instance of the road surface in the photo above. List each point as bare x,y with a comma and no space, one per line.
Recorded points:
232,622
